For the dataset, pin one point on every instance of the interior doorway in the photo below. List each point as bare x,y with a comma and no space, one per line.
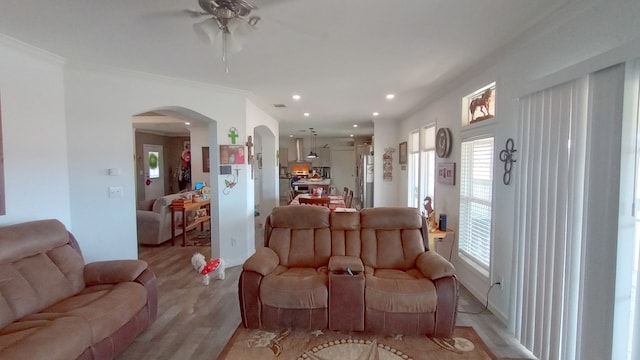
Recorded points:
265,176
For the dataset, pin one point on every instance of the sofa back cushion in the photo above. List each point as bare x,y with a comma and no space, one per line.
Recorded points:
391,237
300,235
161,205
345,234
38,268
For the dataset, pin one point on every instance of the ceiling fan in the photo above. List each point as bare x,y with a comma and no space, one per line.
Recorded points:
229,19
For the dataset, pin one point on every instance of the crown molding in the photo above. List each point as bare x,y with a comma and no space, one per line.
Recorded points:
129,73
28,49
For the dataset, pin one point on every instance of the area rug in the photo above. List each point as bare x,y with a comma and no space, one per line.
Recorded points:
251,344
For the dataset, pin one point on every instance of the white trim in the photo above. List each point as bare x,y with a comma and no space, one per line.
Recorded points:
23,47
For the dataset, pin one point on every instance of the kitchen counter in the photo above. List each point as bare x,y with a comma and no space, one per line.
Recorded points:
304,182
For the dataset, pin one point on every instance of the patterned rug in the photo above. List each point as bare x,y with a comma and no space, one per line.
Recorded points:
251,344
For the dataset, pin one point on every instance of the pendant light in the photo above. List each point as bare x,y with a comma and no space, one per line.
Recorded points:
312,154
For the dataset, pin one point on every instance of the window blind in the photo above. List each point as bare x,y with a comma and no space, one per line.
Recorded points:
566,188
476,183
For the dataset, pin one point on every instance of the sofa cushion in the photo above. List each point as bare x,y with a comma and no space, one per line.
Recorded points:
345,233
300,235
31,280
162,203
398,291
391,237
295,288
45,336
105,308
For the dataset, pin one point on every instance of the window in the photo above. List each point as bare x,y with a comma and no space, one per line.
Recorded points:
421,161
414,170
476,184
428,159
154,168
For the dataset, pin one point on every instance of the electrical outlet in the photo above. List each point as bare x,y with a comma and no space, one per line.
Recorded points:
233,241
500,280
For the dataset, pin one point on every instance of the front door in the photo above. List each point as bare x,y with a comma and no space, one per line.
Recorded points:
154,171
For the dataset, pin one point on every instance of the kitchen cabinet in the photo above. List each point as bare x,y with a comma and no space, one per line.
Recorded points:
324,159
283,157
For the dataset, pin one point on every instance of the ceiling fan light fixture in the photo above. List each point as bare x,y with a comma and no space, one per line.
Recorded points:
230,19
207,30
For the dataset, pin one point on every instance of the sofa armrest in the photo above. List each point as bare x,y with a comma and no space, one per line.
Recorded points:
113,271
434,266
147,216
340,263
264,261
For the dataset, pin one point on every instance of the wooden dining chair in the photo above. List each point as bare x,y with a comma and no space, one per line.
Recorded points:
348,201
318,201
345,192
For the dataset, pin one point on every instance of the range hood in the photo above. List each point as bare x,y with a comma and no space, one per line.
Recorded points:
299,157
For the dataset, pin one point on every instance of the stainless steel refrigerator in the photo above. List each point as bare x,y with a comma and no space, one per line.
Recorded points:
365,181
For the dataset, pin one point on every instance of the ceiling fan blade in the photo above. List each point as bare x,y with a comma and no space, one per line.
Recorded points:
208,6
195,13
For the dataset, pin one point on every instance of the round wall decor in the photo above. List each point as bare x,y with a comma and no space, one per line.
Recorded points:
443,142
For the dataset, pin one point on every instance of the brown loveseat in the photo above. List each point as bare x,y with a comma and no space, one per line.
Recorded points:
363,271
53,306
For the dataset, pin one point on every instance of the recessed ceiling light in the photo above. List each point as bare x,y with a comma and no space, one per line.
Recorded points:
187,123
290,135
376,113
355,125
306,114
351,135
390,96
296,97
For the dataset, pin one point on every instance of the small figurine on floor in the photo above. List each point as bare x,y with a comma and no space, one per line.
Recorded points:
215,267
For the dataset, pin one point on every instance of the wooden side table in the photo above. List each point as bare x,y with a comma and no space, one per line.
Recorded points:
183,208
440,235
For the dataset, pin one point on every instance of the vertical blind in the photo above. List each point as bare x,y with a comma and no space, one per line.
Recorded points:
476,183
566,211
550,190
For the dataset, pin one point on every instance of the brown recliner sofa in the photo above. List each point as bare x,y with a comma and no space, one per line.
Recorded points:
362,271
54,306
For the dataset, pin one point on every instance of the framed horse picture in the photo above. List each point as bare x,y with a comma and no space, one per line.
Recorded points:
479,105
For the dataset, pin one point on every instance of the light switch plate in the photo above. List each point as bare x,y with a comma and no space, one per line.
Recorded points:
115,192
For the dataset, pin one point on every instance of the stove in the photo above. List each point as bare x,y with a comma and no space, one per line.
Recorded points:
300,170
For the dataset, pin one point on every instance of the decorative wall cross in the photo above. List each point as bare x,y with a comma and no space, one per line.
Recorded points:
249,147
506,156
233,134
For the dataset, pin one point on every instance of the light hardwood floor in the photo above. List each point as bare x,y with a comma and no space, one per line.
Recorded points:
196,321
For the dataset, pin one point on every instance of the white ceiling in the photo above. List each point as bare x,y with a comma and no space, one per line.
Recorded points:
341,56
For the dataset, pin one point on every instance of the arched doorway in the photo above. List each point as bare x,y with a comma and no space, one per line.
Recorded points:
180,130
265,170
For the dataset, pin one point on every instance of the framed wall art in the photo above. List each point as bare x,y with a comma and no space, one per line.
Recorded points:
206,167
232,154
402,150
447,173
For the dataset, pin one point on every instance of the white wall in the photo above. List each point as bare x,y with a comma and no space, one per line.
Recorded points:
265,135
582,37
100,104
386,193
34,135
199,138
